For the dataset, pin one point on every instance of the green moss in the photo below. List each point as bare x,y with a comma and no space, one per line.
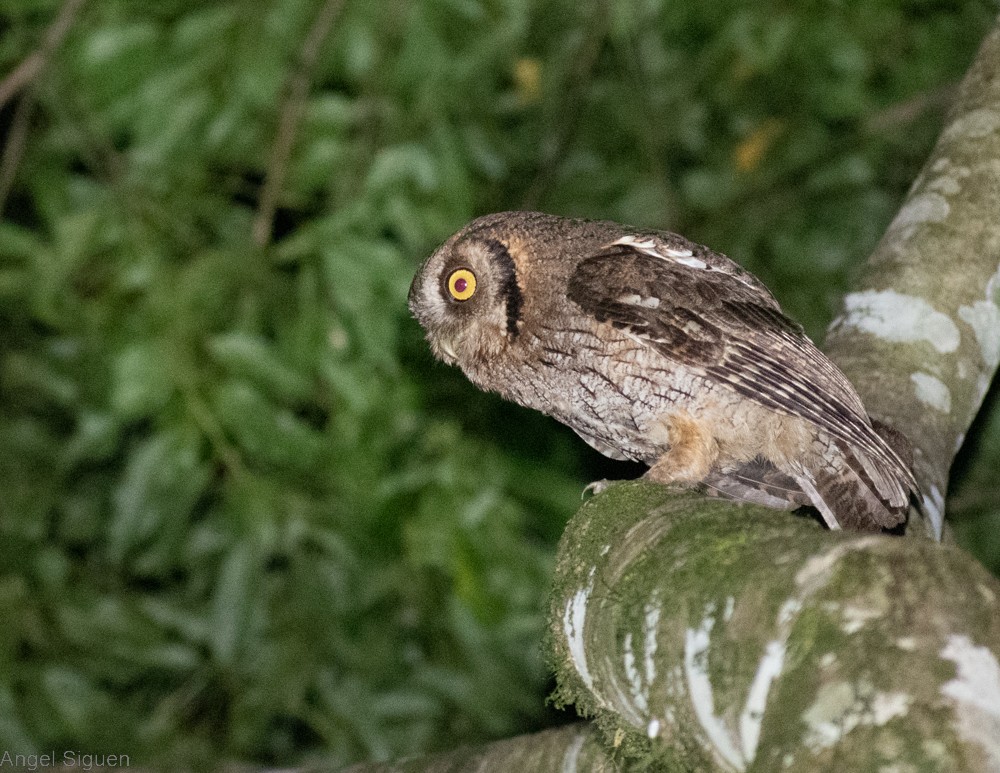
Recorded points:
862,622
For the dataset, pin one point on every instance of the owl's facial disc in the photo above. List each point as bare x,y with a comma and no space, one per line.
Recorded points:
507,301
466,297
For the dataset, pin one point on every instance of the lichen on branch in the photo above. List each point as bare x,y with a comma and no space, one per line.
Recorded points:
722,638
920,334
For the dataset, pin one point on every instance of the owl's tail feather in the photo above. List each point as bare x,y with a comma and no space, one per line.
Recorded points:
866,492
853,491
850,490
757,482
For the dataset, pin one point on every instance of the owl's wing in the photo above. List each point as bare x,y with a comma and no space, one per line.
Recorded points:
698,308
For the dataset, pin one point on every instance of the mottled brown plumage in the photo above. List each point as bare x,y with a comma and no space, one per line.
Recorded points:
657,349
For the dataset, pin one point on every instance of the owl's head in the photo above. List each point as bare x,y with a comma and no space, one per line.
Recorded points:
469,296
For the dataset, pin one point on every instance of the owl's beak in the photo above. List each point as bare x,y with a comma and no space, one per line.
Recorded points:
448,347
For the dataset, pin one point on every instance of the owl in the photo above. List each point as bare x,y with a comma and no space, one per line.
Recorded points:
656,349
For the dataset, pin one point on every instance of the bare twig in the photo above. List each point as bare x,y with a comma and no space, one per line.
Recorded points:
894,116
13,149
30,68
291,113
21,77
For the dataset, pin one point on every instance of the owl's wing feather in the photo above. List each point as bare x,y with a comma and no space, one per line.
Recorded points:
600,445
698,308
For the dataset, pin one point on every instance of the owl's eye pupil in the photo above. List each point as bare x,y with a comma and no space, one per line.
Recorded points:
461,284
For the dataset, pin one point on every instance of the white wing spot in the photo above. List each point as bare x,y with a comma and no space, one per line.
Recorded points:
684,256
632,299
692,262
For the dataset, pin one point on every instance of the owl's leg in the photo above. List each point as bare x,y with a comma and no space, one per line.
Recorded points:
692,453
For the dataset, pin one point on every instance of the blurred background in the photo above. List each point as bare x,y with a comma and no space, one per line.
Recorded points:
243,514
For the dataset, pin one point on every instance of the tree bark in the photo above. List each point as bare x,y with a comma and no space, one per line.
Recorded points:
920,335
575,748
710,637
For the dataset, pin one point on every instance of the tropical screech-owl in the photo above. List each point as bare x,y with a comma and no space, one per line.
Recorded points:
656,349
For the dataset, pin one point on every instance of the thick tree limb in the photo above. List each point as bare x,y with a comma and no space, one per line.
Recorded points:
710,637
573,748
920,336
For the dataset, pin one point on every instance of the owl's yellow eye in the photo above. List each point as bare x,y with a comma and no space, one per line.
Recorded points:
461,284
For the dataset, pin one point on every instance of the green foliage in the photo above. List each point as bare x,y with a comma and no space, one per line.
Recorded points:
242,513
973,505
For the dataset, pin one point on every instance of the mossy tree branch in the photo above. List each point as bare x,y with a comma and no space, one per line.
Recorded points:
712,638
575,748
920,334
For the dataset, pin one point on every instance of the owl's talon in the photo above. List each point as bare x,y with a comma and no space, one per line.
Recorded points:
597,487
